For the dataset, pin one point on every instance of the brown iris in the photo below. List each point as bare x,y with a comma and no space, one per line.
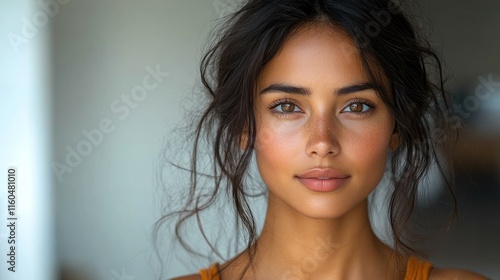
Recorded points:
288,107
356,107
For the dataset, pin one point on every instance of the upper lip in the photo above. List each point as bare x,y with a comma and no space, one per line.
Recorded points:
322,173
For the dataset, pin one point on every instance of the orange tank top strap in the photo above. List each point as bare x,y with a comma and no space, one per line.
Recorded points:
417,269
211,273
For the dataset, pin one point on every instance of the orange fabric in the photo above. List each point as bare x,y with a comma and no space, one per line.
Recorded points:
416,269
212,273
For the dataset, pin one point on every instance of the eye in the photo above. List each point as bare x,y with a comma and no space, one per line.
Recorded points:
286,108
283,107
359,106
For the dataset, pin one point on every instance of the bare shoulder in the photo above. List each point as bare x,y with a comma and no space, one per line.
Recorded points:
188,277
454,274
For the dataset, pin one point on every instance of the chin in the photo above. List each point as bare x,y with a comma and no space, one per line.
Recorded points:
324,211
329,209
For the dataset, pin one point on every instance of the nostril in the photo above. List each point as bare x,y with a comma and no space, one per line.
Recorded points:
323,149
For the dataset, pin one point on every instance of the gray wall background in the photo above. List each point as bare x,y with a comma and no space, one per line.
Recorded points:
106,205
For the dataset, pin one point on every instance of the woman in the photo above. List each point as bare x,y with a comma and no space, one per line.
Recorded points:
330,97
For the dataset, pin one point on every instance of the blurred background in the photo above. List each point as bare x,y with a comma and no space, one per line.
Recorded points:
90,88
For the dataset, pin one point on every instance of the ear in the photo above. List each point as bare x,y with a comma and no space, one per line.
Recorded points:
395,139
244,139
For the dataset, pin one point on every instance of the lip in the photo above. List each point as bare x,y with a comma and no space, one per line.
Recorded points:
323,179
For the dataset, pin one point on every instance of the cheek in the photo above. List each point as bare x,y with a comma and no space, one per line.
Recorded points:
275,143
276,148
368,151
277,136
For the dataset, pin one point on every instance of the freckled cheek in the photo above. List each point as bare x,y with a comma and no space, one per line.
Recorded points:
278,133
278,141
369,150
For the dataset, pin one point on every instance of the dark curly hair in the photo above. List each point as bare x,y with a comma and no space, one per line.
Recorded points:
385,39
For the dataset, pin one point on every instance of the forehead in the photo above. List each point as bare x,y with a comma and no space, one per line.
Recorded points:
315,53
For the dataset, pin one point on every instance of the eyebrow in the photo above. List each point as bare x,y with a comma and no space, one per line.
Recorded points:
305,91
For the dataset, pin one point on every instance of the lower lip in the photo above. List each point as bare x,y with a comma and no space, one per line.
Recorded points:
318,185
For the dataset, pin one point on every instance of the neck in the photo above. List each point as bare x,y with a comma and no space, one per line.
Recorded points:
304,247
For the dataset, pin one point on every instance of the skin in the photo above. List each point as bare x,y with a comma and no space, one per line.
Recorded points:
351,133
309,234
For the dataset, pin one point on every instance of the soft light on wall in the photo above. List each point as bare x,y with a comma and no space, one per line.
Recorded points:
26,234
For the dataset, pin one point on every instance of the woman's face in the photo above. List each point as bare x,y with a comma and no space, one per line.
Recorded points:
323,134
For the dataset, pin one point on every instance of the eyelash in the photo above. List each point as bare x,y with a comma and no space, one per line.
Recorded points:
370,105
277,103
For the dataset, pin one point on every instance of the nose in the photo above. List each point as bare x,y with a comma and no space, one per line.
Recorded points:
323,138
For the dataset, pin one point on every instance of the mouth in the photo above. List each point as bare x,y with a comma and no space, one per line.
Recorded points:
323,174
323,180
